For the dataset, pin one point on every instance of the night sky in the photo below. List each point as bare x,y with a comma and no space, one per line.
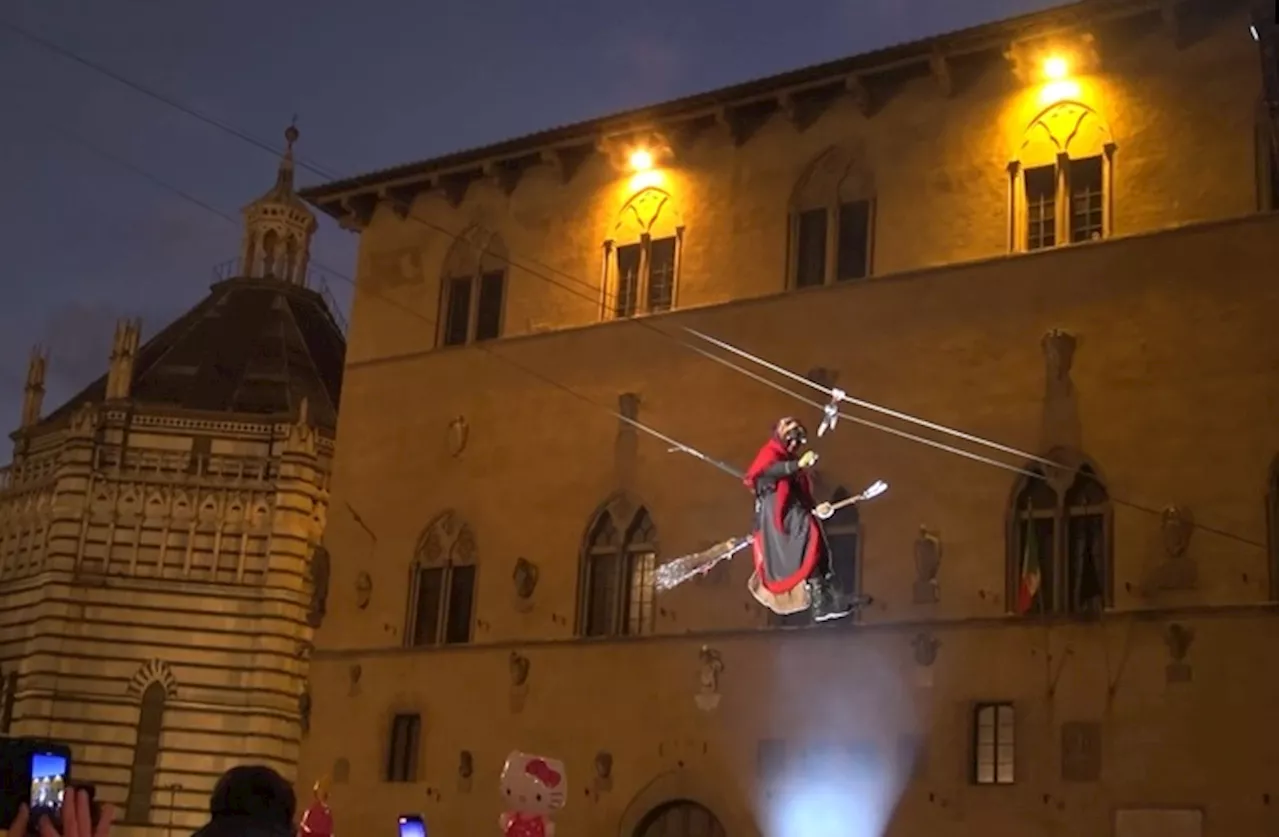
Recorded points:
85,240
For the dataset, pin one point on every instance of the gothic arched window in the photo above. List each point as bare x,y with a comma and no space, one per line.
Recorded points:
618,565
831,221
442,584
642,258
146,755
1060,179
473,288
1060,546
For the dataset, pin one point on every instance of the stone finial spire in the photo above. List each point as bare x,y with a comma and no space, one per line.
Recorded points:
284,172
124,353
278,227
33,392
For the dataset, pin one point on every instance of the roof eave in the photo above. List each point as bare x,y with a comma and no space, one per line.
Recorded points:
331,197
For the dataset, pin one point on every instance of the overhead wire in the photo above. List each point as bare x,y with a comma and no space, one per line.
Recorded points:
506,258
675,445
864,422
138,171
960,452
404,205
596,297
180,193
840,395
407,209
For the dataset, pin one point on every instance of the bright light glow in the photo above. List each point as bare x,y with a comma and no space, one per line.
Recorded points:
1056,68
645,179
641,160
833,789
1059,91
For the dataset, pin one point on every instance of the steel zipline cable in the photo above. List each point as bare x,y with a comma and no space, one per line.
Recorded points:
405,209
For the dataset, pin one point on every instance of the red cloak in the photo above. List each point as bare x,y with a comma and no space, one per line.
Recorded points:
772,531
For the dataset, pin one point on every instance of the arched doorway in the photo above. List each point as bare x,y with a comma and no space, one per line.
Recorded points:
680,818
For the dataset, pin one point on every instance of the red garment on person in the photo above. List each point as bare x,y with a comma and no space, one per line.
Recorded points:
317,821
787,542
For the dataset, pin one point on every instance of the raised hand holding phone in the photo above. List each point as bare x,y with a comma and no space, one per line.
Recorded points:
77,818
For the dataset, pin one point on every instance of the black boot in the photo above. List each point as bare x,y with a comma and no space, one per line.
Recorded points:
826,601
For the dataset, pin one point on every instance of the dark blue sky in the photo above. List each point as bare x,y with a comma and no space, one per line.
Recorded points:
86,241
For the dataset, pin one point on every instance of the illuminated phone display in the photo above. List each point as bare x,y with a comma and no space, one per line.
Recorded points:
48,779
412,826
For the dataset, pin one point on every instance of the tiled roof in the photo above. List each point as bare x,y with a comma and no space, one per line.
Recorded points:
251,346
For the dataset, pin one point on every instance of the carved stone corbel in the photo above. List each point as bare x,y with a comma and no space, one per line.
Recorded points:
1178,639
802,108
358,211
524,579
604,771
506,173
1060,418
455,186
518,667
861,95
940,69
466,769
792,107
364,589
710,666
928,560
684,134
628,411
740,122
924,648
399,199
566,160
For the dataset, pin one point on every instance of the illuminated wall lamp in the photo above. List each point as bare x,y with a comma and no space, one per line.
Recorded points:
1056,68
641,160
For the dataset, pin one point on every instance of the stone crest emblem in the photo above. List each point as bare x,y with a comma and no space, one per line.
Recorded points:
458,436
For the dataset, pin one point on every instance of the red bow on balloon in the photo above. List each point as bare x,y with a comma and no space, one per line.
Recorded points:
543,772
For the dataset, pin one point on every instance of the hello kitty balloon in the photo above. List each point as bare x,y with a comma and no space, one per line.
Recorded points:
533,787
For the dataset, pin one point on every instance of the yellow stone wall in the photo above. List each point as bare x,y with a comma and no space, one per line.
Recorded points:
1182,121
1175,396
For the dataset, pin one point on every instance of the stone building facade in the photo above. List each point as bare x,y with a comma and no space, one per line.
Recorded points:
160,569
1055,232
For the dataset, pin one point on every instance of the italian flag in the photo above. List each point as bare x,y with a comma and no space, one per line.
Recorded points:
1029,581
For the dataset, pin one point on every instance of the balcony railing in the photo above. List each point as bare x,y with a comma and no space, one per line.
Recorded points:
185,465
30,472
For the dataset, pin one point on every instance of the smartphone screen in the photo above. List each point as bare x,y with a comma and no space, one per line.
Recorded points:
412,826
48,779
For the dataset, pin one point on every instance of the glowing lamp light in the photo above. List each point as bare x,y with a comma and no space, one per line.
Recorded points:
1056,68
641,160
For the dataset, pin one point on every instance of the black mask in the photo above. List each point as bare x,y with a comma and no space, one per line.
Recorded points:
794,436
